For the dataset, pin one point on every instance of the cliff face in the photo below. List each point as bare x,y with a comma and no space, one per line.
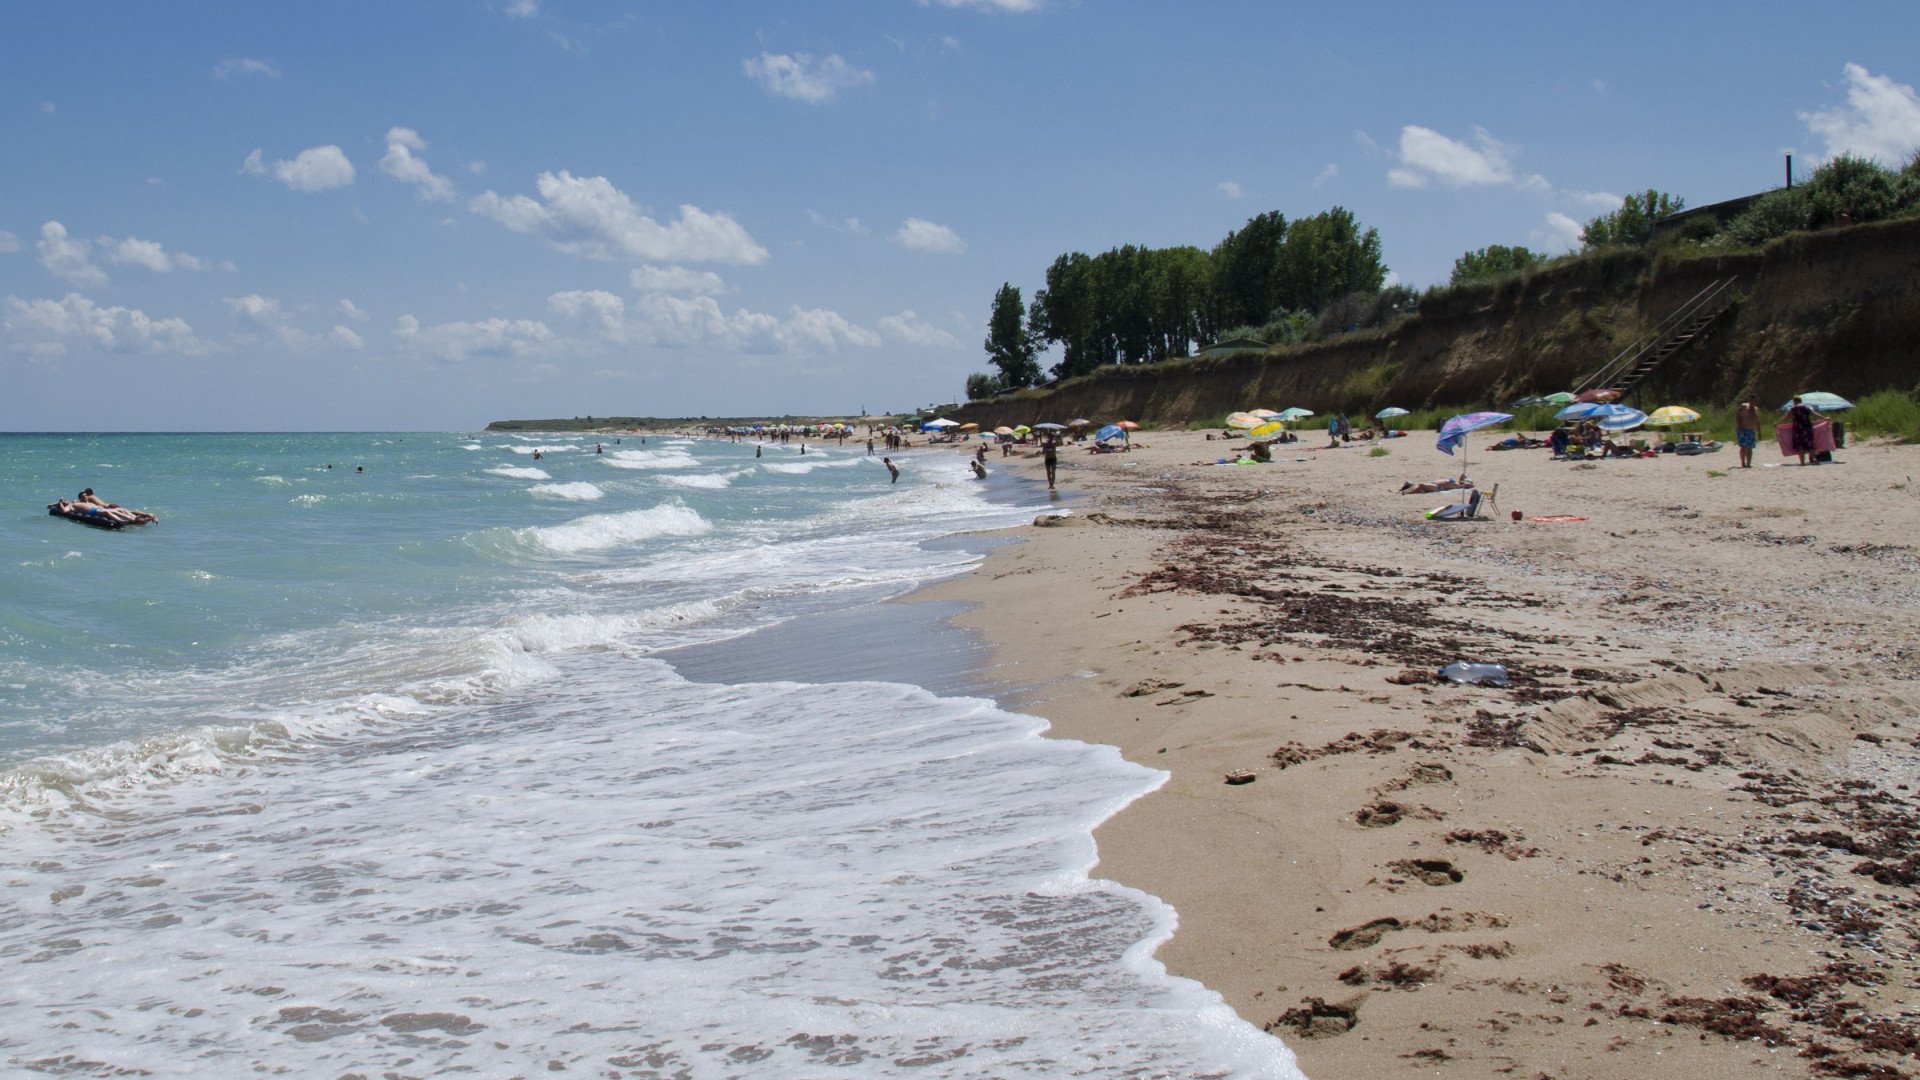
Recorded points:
1836,310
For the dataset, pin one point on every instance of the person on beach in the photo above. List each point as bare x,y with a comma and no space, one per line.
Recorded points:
979,469
1801,416
980,455
1050,457
1411,488
892,470
1746,423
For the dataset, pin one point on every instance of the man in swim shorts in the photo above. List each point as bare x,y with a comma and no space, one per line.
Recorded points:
1747,425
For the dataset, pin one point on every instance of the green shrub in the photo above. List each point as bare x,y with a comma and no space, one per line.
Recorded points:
1888,412
1776,213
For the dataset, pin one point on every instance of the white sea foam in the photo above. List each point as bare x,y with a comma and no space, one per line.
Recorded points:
272,481
652,459
308,500
543,448
578,491
702,481
809,463
602,531
472,446
520,472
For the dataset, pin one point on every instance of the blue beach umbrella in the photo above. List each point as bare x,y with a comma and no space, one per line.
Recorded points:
1619,418
1390,412
1579,410
1821,401
1110,433
1453,433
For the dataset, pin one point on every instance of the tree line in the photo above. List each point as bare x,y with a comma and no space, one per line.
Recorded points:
1141,305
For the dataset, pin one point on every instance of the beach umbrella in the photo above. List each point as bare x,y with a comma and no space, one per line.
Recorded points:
1271,427
1577,411
1561,398
1049,427
1669,415
1022,429
1295,412
1619,418
1126,425
1003,430
1600,394
1080,423
1110,433
939,425
1244,420
1529,402
1821,401
1389,413
1453,433
1265,414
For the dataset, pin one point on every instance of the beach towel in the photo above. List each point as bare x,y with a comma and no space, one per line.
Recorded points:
1822,437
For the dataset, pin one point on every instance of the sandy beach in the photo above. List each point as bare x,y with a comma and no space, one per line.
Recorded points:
1679,842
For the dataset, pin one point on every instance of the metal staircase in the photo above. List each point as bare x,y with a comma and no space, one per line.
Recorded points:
1689,321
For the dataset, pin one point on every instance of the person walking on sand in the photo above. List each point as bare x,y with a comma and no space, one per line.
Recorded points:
1802,419
892,469
1746,424
1050,457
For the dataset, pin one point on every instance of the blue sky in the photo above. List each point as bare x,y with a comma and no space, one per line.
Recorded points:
431,215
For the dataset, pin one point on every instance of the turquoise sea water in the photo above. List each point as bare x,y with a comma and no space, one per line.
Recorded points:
336,770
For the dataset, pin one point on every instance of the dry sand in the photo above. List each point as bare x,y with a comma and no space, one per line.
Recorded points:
1681,842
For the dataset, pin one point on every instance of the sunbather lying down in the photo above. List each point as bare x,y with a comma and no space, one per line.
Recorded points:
1411,488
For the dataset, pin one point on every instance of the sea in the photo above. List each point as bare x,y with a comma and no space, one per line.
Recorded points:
515,755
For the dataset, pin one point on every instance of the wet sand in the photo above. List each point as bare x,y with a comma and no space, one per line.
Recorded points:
1680,842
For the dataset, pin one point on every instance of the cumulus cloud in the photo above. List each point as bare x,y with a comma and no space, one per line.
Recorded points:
8,242
133,251
351,310
1016,6
802,78
317,168
52,327
603,309
227,69
457,342
588,216
1229,188
1427,156
264,319
1332,170
65,257
676,321
1562,233
400,163
676,279
850,225
916,234
1599,200
910,329
1881,119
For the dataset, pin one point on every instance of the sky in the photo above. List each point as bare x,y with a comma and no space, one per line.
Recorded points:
430,215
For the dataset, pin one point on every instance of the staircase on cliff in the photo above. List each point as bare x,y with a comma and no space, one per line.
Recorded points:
1690,321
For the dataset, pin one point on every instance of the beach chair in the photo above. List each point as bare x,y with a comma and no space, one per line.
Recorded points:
1464,511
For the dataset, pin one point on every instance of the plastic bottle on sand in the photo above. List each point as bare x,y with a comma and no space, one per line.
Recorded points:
1485,674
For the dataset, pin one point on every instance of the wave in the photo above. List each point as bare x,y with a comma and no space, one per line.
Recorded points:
701,481
652,459
578,491
542,449
307,500
519,472
472,446
602,531
801,468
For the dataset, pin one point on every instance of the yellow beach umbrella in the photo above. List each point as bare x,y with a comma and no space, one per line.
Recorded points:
969,427
1272,427
1669,415
1023,430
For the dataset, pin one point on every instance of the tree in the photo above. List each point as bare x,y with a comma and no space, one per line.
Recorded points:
1632,224
982,385
1243,266
1494,260
1010,346
1326,257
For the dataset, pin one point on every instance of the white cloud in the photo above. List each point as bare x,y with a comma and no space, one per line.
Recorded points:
317,168
800,77
132,251
909,328
1017,6
1428,155
67,258
1561,234
344,337
351,310
265,315
1881,119
523,9
698,320
476,167
919,235
588,216
1599,200
399,163
850,225
1229,188
1332,170
228,68
51,327
461,341
1365,141
603,309
8,241
676,279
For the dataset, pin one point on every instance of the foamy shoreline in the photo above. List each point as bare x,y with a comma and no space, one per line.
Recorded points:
1597,871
